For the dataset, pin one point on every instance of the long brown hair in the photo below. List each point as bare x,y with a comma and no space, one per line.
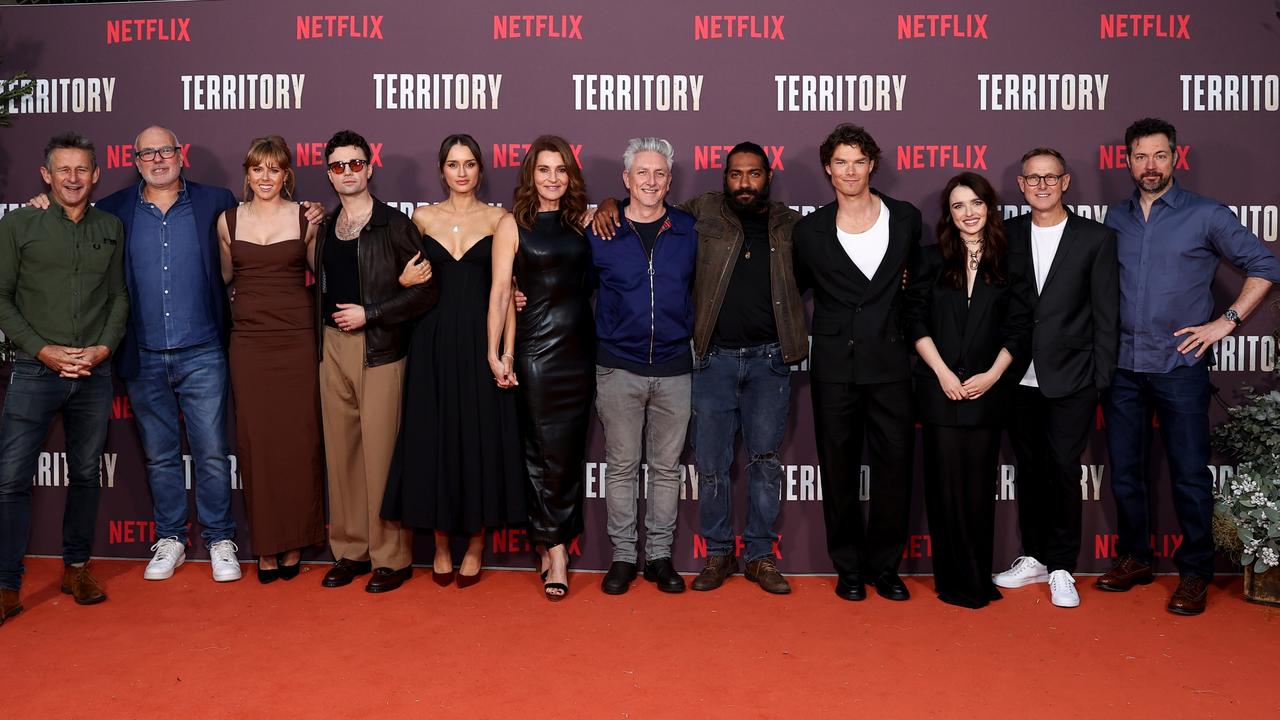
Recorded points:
991,267
573,204
271,148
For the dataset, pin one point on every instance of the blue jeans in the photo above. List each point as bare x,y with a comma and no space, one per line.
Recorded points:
747,389
191,381
1180,399
36,394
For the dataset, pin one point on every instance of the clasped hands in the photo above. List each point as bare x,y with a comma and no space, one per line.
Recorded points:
72,362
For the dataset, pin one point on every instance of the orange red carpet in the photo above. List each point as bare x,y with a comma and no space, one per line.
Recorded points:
190,647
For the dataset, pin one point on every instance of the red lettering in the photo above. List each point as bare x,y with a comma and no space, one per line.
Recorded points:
1104,546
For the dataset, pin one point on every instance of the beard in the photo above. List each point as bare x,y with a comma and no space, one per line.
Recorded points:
757,201
1160,182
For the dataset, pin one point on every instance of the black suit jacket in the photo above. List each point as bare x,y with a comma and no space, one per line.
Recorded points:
1075,338
857,321
969,339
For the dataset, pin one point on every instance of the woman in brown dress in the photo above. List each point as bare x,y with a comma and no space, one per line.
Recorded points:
267,247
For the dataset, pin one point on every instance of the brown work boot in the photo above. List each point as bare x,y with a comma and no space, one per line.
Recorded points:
715,572
10,604
1124,575
78,583
1190,597
765,572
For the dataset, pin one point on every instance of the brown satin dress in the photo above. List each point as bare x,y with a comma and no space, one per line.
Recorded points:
275,378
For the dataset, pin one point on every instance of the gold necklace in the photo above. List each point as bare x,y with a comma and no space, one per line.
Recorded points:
975,251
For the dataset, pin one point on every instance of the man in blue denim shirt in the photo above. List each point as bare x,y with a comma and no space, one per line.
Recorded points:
1170,243
173,360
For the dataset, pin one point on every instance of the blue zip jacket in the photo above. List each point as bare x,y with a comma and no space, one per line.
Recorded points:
642,317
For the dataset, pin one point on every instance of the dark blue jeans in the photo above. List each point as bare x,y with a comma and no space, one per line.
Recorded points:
747,389
36,395
191,381
1180,400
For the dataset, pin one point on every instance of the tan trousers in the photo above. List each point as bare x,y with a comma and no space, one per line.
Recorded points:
360,411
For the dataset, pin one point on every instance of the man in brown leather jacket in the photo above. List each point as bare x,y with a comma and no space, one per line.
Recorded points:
364,332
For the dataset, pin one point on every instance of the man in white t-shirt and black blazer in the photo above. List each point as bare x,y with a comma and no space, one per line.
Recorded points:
853,252
1074,341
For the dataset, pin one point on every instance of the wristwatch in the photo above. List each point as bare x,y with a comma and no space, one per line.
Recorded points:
1233,316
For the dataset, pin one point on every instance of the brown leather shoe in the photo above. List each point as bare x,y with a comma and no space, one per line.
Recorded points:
1191,596
715,572
344,571
10,604
78,583
765,572
1124,575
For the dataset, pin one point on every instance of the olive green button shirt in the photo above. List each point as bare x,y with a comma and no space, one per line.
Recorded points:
62,283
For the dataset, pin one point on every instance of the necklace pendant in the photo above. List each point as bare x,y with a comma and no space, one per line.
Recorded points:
454,228
747,255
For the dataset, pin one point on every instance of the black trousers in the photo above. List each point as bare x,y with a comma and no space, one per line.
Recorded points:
843,414
960,477
1048,436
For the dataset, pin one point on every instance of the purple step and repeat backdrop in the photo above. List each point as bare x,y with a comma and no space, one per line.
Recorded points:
940,91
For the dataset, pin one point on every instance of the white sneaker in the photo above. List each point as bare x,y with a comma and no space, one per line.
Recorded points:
1062,589
169,554
222,557
1026,570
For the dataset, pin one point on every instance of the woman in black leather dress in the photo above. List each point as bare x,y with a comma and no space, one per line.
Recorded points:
553,343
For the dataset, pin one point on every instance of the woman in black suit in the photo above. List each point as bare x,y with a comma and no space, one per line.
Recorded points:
972,323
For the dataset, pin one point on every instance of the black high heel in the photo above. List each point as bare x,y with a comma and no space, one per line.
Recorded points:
267,576
442,579
466,581
563,587
289,572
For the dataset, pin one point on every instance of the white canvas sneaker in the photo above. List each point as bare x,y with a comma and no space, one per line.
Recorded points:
169,554
1062,589
222,557
1026,570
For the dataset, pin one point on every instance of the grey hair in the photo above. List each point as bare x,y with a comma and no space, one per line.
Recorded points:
647,144
69,141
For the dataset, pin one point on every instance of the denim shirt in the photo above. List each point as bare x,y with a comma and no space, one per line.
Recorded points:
1167,265
169,282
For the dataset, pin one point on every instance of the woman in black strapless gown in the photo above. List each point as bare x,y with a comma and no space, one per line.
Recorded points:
458,466
553,343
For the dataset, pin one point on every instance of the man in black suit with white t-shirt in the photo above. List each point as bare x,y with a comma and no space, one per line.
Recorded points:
853,253
1075,340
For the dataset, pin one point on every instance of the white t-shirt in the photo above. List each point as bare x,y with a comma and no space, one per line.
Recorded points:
1044,245
867,249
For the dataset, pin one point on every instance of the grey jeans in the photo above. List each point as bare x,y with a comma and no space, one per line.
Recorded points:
656,410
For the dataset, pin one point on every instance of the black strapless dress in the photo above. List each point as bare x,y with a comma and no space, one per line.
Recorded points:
457,465
555,365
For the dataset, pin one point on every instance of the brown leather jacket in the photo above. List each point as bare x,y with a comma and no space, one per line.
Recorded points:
719,241
386,243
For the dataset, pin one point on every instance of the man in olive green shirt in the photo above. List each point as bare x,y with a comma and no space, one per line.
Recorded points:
63,302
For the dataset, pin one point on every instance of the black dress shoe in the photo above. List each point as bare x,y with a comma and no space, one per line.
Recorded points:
466,581
664,575
891,587
618,579
851,587
386,579
344,571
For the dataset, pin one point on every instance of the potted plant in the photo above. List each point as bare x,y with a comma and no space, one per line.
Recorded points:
1246,522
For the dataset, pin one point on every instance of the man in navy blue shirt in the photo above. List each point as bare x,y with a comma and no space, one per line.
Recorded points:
1170,242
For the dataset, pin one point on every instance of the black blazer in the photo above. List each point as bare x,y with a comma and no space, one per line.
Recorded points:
1075,338
857,321
998,316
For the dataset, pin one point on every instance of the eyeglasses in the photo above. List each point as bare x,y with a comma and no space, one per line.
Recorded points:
338,168
149,154
1035,180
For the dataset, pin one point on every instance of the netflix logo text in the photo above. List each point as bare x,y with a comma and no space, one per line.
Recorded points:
966,157
512,154
311,154
738,27
121,156
1114,157
918,26
560,27
1144,25
713,157
316,27
149,30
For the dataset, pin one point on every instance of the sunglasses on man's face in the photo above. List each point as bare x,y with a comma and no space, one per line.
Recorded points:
338,168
